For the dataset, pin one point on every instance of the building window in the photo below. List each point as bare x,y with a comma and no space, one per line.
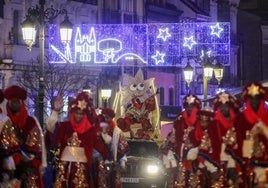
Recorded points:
2,2
16,25
162,96
223,11
171,96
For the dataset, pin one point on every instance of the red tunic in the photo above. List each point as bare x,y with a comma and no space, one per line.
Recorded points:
259,155
75,174
260,149
185,135
30,144
210,147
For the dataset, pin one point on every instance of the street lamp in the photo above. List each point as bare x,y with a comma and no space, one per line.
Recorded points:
105,95
188,74
207,75
40,16
218,72
208,70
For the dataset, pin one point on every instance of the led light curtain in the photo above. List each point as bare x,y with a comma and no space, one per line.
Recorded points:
158,44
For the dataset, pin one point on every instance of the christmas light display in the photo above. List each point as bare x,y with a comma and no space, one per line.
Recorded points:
161,44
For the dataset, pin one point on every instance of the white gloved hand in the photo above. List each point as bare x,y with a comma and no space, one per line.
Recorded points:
192,154
8,163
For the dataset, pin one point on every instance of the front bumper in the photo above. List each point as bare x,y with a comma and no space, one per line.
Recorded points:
138,182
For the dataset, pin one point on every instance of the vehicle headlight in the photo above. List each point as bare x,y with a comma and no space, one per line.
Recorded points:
152,169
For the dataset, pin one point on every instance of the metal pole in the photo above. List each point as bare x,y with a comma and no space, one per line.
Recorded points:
41,91
105,101
205,88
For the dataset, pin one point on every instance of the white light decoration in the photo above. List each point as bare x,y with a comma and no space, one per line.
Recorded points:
60,54
163,34
189,42
216,30
158,57
153,44
130,56
85,46
220,90
208,53
109,47
87,90
106,93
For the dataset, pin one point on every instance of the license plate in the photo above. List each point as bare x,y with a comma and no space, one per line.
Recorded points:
130,180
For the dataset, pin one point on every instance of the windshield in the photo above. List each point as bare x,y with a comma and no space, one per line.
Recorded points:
143,149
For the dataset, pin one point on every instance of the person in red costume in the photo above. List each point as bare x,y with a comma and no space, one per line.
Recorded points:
188,134
226,108
167,152
9,145
75,140
29,156
209,150
250,151
117,145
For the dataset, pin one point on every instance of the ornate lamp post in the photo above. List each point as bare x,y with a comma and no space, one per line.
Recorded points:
40,16
208,70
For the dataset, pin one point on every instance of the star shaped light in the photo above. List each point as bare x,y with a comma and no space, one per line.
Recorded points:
163,34
189,42
82,104
158,57
216,30
224,97
253,90
190,99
